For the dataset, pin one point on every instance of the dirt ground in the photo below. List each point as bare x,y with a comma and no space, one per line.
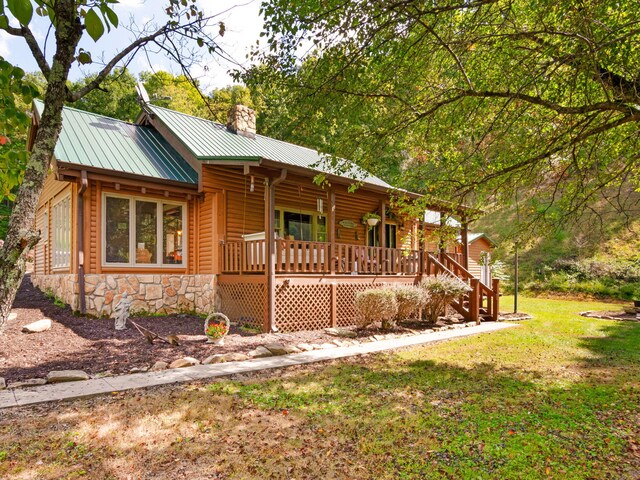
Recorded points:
93,345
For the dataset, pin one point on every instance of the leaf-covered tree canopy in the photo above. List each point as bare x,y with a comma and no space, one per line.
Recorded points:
467,99
15,94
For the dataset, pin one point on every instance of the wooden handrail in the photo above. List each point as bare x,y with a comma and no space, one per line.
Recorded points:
297,256
458,266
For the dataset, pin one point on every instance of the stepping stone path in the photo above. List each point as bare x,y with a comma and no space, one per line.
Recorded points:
59,376
37,327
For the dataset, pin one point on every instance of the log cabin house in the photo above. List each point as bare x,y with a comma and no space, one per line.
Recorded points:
184,214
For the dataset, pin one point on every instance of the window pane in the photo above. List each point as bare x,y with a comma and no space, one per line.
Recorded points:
297,225
391,235
173,234
321,231
146,232
117,230
372,236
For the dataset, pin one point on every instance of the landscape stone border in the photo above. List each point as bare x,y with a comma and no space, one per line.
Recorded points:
96,386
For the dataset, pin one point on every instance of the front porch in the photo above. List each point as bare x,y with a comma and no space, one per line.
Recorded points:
315,283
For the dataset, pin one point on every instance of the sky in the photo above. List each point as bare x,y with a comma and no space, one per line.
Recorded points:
241,18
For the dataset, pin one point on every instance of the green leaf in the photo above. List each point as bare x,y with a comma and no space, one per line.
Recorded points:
21,9
84,58
94,25
111,15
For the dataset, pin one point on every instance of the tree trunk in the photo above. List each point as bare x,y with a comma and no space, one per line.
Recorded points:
22,235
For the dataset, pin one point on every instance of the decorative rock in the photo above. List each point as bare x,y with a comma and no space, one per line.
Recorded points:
328,345
184,362
305,347
280,349
29,382
234,357
338,343
12,316
58,376
378,337
217,358
139,370
340,332
159,365
39,326
3,383
260,352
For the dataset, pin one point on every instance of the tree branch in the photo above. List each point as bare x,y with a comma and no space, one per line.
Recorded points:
39,57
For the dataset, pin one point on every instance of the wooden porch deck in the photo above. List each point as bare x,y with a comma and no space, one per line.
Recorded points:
315,283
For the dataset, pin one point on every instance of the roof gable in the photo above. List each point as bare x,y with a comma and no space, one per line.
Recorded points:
92,140
211,141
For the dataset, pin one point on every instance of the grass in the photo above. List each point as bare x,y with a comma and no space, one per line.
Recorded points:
557,397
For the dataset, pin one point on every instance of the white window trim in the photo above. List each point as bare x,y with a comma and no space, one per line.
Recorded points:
61,225
132,233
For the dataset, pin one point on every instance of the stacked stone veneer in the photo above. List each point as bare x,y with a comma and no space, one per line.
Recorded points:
63,286
160,294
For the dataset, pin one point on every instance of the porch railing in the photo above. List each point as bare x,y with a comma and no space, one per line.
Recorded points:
295,256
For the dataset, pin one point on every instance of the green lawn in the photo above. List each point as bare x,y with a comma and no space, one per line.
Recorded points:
557,397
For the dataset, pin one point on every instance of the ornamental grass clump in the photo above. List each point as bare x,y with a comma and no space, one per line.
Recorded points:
441,290
410,300
376,305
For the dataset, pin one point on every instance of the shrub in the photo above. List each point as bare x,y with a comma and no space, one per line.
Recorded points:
376,305
410,299
441,290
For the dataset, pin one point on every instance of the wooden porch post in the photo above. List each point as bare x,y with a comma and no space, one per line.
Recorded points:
383,224
496,299
465,243
474,301
270,251
332,232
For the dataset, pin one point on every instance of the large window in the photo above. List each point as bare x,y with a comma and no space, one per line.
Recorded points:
61,226
143,231
300,225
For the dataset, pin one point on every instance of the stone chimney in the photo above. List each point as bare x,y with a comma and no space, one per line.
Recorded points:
241,120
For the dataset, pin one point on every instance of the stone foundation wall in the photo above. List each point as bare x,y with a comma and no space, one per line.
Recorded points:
158,294
63,286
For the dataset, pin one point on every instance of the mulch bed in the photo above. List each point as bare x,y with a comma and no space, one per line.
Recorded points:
93,345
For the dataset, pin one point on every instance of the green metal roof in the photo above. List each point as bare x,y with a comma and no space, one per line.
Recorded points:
92,140
209,140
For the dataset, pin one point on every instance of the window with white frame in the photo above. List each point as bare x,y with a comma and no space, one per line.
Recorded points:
142,231
61,230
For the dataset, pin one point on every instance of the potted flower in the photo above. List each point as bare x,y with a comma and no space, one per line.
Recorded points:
371,219
216,327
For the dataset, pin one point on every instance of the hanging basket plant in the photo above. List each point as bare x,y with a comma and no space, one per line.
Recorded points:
371,219
216,327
